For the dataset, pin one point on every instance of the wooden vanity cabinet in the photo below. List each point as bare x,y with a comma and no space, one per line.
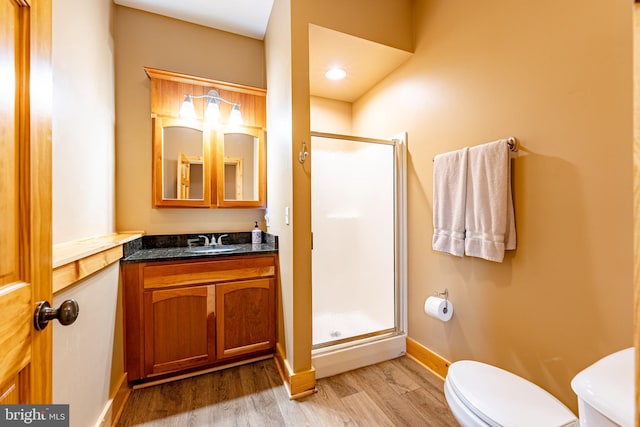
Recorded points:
186,315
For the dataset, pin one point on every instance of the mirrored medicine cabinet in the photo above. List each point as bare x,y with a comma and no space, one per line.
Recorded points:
241,167
201,163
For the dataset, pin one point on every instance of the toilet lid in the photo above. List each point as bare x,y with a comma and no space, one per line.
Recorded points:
501,398
609,386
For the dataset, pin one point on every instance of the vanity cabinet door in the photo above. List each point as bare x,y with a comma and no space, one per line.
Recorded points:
179,328
245,317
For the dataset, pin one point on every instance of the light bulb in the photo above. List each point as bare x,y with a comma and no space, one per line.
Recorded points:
186,110
212,114
335,73
235,118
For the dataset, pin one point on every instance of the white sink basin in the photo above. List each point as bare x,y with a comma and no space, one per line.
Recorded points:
212,249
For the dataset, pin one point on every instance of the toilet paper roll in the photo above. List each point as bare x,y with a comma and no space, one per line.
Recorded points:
438,308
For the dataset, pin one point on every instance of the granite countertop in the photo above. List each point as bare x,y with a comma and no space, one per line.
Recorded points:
170,248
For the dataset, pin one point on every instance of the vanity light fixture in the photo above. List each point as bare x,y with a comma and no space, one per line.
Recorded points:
336,73
212,113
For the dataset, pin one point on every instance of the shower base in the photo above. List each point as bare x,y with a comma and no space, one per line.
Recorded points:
346,341
335,326
345,357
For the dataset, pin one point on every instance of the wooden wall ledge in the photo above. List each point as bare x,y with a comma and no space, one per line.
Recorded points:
73,261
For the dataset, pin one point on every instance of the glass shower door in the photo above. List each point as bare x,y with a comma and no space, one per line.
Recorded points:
353,199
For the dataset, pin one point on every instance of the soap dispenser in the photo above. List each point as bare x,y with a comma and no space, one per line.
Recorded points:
256,235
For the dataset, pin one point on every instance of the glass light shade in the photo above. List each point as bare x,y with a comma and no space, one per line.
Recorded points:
235,118
212,114
186,110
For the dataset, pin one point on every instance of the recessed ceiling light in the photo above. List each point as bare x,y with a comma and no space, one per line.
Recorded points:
335,73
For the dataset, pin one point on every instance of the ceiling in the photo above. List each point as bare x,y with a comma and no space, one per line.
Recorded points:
245,17
366,62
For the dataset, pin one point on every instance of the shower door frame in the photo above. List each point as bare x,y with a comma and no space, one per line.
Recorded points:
398,333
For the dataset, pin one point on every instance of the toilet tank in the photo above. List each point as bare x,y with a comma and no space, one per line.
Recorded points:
606,391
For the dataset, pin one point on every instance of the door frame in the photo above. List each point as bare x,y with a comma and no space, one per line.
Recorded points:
35,166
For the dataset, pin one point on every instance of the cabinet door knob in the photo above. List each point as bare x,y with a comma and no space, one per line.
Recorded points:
66,314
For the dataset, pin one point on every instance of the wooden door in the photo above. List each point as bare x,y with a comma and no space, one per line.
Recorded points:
179,328
245,322
25,198
184,176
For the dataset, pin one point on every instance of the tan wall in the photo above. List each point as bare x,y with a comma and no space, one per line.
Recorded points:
279,151
83,153
384,21
87,356
330,116
558,76
145,39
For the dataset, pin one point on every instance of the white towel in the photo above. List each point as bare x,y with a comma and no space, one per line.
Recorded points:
489,219
449,191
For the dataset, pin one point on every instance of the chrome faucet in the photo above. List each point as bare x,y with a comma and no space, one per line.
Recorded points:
206,240
220,238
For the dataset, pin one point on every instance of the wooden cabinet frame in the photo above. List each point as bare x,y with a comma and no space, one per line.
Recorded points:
177,314
209,178
168,91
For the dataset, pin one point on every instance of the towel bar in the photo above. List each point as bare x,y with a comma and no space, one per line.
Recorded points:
512,143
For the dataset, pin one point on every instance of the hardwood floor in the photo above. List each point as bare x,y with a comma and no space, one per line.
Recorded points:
398,392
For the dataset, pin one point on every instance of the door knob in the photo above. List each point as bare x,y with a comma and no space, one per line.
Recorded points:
66,314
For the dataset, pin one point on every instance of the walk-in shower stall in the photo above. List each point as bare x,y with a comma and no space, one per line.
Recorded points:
359,268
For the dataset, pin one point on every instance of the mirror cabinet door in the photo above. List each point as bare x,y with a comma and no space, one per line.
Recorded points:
181,164
241,167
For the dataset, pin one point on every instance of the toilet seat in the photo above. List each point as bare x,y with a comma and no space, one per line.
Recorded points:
500,398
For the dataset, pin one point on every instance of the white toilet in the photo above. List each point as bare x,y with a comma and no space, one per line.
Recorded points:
481,395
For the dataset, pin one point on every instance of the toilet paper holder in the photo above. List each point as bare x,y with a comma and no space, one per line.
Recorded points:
444,294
